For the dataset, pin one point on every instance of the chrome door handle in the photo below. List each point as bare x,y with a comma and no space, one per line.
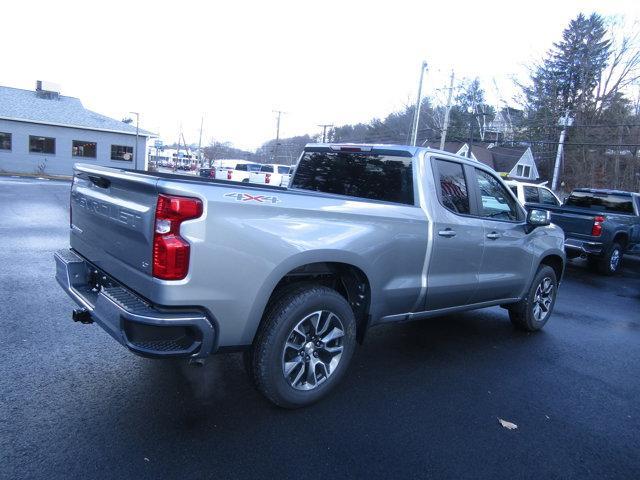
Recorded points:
493,235
447,233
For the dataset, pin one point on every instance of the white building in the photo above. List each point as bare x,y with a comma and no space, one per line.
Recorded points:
44,132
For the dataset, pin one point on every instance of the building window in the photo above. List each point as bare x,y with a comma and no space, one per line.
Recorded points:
523,171
42,145
121,152
5,141
84,149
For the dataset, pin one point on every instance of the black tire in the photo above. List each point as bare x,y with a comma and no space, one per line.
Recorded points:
522,314
267,358
245,180
611,262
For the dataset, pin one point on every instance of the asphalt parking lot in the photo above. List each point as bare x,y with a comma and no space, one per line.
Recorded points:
420,400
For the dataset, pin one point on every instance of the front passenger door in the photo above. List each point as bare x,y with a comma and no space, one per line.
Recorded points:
508,255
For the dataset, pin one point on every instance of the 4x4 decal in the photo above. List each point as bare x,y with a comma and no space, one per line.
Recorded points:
246,197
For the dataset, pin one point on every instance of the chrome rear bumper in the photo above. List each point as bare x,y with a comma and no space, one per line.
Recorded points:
583,246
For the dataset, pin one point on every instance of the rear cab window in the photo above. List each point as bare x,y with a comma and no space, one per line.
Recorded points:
369,175
607,202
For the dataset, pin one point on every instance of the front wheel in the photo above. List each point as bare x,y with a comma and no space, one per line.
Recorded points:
533,311
304,346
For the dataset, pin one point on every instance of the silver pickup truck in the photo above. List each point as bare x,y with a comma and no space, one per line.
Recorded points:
177,266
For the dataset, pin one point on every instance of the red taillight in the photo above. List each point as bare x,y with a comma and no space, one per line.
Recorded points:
229,174
267,178
212,172
596,230
170,251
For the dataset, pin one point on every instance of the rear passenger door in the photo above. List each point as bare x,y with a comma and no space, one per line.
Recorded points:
457,238
508,255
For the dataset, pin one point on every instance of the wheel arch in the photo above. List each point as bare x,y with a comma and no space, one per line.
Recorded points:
554,261
621,238
344,272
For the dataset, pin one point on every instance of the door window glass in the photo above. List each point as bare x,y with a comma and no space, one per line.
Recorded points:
453,187
531,195
547,198
496,201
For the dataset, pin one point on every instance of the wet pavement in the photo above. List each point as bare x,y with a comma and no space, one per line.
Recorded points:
420,400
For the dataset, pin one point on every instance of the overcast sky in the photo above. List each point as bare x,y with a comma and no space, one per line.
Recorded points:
234,61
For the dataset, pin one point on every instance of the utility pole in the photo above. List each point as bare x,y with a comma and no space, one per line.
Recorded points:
416,114
135,152
443,136
324,131
470,137
275,148
200,143
175,164
556,168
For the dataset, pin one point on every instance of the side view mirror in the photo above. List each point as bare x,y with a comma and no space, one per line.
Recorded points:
538,218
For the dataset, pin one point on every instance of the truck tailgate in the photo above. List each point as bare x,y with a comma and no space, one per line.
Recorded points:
573,221
112,215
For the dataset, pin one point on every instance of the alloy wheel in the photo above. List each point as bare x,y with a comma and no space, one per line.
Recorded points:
614,260
543,299
313,350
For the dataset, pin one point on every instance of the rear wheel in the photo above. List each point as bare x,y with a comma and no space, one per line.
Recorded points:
533,311
304,346
611,262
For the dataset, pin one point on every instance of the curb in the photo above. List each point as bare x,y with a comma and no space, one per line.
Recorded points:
37,176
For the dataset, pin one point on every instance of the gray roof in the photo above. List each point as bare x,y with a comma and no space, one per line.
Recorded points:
480,151
505,158
26,106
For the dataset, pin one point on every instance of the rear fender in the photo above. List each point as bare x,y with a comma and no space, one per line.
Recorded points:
296,261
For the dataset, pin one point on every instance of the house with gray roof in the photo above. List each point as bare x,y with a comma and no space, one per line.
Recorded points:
516,162
479,152
42,131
